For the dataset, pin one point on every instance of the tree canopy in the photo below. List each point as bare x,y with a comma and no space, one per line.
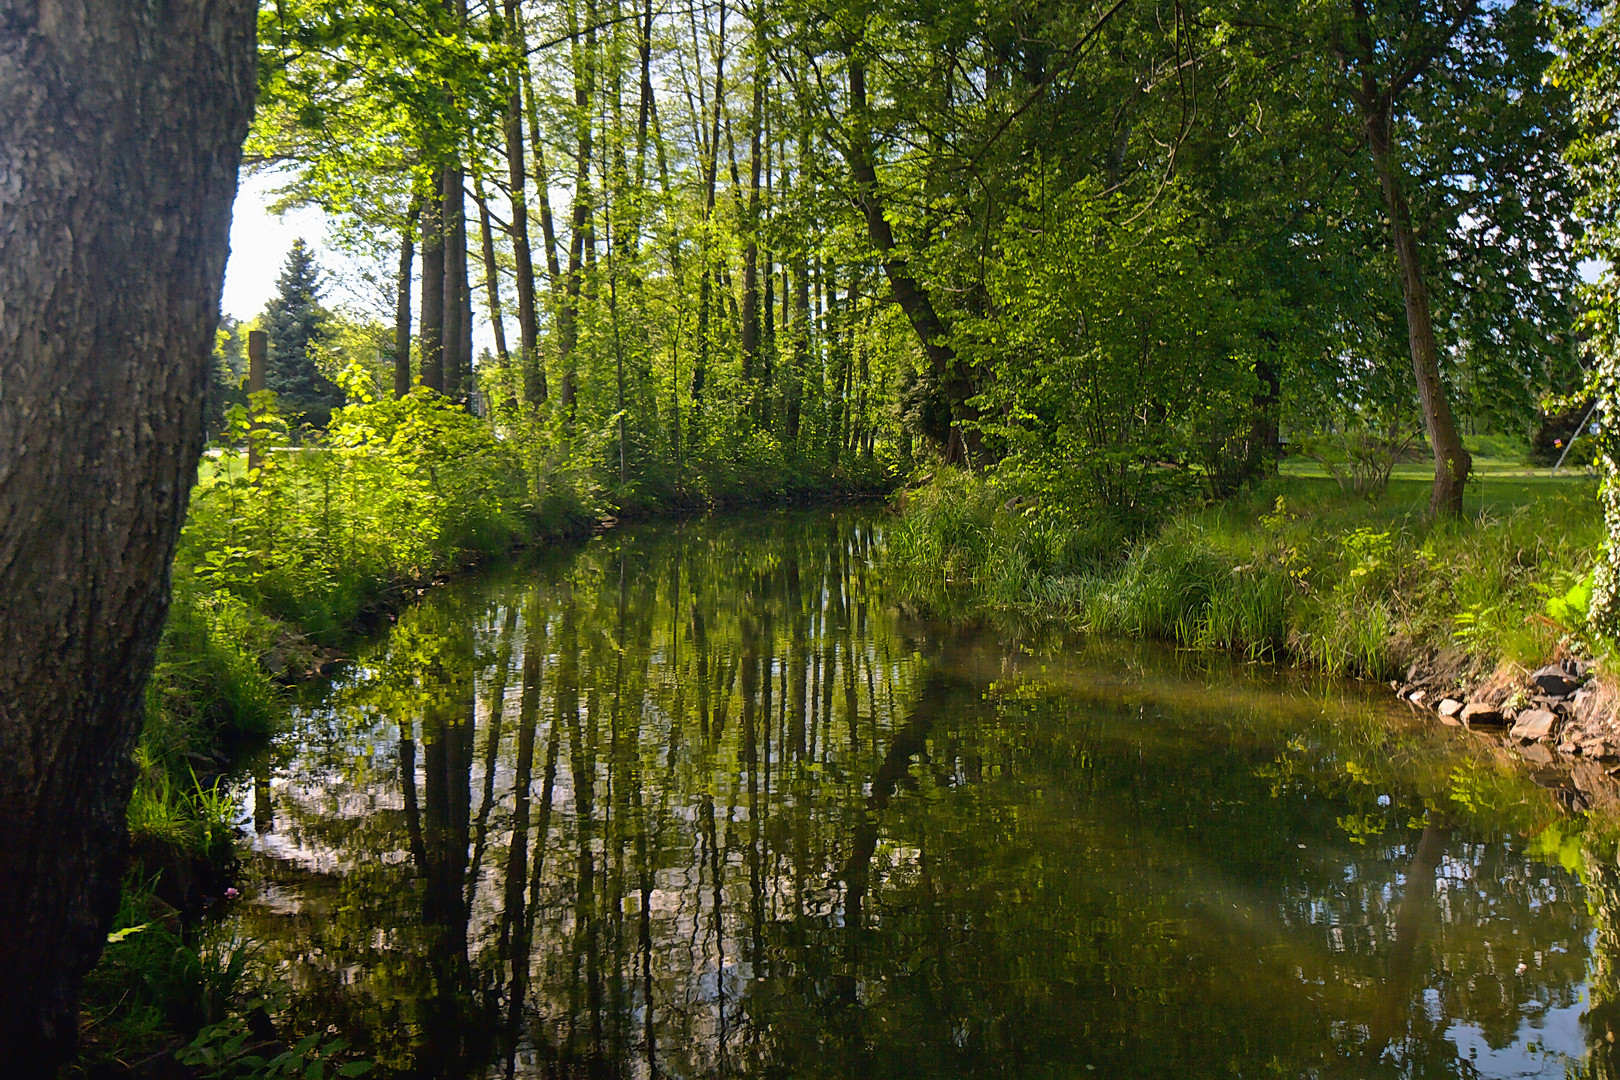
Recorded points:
1120,251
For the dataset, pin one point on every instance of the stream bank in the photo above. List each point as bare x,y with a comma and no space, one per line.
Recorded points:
1562,719
1465,620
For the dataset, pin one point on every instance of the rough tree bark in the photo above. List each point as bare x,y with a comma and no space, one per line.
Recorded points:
121,125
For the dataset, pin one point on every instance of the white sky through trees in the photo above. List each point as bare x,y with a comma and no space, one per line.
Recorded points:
260,241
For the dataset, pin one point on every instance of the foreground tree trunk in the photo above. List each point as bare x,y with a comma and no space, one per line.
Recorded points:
121,125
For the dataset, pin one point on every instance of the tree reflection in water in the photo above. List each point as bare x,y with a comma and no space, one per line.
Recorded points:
705,800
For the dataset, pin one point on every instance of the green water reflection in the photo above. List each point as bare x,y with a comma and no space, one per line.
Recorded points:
705,800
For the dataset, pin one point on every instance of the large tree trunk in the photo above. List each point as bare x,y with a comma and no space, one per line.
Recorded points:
121,126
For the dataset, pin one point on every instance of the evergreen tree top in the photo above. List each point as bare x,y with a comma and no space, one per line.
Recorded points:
294,320
300,277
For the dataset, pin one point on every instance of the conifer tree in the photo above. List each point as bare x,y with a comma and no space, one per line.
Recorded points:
295,322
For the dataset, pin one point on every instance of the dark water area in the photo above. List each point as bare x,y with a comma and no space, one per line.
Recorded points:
713,799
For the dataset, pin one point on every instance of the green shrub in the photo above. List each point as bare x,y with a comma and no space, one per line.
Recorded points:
398,491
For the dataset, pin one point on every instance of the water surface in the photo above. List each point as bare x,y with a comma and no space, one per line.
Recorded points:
711,800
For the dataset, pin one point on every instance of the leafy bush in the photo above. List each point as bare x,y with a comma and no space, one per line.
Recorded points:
398,491
1101,321
1359,459
228,1050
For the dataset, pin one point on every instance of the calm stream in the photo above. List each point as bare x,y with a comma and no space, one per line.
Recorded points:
712,799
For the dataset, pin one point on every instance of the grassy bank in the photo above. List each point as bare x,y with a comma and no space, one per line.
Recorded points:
1292,570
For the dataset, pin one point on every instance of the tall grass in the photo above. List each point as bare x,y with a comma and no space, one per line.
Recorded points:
1292,571
154,988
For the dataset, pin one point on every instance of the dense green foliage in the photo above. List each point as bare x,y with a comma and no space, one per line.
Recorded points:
1099,329
397,491
1121,252
1591,71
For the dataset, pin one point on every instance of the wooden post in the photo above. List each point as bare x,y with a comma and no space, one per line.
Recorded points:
258,347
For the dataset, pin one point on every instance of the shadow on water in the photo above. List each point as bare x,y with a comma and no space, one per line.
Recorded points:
707,800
